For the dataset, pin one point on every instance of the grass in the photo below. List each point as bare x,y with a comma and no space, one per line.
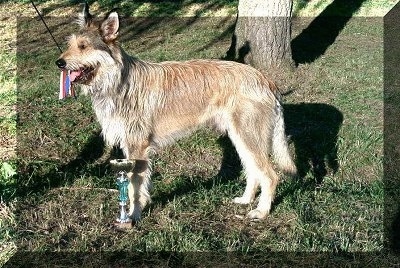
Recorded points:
62,199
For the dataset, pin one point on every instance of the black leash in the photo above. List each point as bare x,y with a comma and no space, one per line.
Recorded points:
37,11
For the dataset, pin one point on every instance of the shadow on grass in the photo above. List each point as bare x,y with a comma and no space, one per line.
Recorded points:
391,160
199,259
313,128
313,41
158,8
46,174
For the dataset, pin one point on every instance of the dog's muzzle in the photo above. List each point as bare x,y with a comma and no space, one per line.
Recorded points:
81,75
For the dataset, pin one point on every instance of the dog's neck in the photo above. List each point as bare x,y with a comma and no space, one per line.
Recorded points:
109,80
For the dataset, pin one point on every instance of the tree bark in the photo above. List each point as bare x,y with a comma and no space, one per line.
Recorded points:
263,34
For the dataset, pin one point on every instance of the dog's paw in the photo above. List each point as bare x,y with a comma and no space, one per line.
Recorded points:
257,214
242,200
135,215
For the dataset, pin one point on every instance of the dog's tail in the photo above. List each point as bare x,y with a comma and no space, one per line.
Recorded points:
280,149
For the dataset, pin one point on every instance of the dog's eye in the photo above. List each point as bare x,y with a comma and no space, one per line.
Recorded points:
82,45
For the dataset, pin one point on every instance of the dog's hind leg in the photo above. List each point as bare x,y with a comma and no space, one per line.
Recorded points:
250,170
138,188
251,139
268,184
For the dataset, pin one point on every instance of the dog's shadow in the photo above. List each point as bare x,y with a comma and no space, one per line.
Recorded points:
314,128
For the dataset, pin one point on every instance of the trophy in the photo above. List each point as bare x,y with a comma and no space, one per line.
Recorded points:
122,167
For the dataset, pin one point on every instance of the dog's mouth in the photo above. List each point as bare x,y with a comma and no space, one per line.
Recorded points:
82,75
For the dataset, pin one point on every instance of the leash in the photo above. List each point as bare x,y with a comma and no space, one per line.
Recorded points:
66,88
45,24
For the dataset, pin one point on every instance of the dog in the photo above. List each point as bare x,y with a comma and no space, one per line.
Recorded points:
143,106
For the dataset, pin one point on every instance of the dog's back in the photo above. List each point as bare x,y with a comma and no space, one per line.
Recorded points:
186,95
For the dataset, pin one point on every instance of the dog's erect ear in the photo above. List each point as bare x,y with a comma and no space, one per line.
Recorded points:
109,27
85,19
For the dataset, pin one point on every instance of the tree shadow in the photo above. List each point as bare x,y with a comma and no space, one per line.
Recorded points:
321,33
313,41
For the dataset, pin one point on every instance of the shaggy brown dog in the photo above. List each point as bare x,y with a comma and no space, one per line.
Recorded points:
143,106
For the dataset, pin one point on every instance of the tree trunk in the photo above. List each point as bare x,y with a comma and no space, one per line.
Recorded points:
263,34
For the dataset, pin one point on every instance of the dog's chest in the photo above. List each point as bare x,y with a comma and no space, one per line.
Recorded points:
112,124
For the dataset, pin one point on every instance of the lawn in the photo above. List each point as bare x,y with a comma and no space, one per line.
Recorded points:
63,198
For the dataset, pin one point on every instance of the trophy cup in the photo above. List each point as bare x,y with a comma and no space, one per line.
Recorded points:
122,167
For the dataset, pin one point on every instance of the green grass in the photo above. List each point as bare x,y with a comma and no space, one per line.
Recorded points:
63,199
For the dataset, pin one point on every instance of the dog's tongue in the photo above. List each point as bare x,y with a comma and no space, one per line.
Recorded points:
74,74
66,88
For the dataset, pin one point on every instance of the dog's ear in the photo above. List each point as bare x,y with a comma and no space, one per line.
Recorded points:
109,27
85,18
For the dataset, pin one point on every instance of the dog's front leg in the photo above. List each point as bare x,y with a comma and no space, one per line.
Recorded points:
139,187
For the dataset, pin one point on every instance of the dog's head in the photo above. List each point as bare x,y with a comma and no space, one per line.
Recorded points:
93,46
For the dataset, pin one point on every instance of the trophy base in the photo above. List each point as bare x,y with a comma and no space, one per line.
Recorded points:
123,224
122,165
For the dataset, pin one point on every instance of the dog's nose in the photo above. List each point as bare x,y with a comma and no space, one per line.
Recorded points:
61,63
